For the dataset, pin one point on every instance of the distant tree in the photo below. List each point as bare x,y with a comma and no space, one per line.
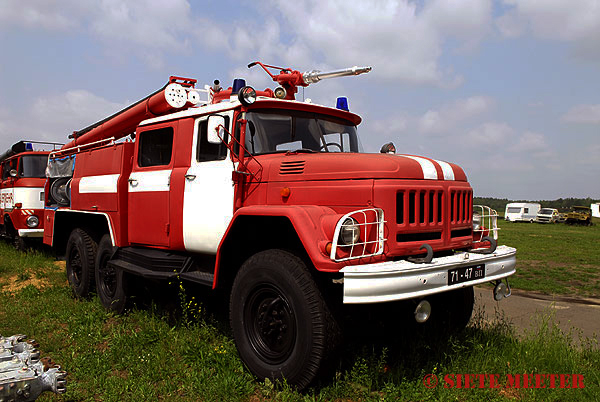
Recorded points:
562,204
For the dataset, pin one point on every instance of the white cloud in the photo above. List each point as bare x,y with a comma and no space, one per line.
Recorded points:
53,15
571,21
583,114
530,142
449,115
55,117
404,42
490,134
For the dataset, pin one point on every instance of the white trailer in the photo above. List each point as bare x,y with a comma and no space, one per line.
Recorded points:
595,210
521,211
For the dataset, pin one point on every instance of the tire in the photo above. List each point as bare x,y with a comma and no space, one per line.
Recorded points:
452,310
80,256
281,324
111,285
20,243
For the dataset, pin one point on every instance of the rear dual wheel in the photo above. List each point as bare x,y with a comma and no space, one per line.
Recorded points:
111,285
80,256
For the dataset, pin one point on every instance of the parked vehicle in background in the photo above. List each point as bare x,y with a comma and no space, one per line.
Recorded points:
595,210
547,215
22,192
521,211
562,217
580,215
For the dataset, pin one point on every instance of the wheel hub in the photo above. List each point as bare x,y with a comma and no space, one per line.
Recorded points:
272,331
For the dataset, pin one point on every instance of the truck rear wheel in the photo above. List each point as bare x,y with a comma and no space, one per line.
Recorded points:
281,325
110,282
80,256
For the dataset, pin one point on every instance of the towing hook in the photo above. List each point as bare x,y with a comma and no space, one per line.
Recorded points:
490,249
501,291
423,260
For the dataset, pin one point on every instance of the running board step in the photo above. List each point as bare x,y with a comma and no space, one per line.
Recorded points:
162,264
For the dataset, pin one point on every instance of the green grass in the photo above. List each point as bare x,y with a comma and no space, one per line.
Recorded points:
171,351
555,258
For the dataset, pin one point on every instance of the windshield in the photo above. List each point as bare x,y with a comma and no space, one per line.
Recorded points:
546,211
282,131
33,166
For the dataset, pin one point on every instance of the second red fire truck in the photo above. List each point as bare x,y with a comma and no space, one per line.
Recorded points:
22,192
272,199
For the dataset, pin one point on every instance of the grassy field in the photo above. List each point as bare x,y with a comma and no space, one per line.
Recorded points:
555,258
177,346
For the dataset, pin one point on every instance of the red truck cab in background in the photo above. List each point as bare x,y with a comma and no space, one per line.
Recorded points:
22,192
273,200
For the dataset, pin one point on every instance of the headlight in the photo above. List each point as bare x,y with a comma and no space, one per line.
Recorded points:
247,96
32,221
349,232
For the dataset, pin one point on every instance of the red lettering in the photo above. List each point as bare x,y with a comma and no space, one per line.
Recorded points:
578,381
468,383
513,381
565,381
481,380
553,378
494,380
539,381
449,381
528,381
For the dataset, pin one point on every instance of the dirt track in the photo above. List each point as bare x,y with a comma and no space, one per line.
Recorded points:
522,308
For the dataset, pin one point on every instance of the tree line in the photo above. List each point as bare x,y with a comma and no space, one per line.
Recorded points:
562,204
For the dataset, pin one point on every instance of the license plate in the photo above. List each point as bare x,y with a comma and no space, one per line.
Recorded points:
466,274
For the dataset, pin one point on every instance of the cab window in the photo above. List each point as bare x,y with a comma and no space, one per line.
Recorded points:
205,151
155,147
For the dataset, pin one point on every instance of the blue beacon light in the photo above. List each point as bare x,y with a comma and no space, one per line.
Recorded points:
342,103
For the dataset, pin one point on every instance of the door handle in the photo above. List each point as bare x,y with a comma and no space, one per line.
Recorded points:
133,182
190,177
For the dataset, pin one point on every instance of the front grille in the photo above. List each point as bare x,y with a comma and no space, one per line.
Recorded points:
460,206
291,167
419,206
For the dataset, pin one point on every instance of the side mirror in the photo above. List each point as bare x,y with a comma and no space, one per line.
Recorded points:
13,173
216,131
388,148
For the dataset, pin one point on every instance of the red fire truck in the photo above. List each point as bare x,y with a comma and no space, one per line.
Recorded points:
22,192
271,199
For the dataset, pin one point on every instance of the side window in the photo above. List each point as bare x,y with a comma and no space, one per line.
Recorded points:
206,151
155,147
526,210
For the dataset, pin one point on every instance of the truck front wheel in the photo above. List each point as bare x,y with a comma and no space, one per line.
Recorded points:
80,256
110,282
281,325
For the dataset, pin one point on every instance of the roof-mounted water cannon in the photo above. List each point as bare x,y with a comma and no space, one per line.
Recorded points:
289,80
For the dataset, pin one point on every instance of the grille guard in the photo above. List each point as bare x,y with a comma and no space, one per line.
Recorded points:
371,240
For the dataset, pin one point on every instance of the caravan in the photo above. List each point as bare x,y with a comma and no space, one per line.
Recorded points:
521,211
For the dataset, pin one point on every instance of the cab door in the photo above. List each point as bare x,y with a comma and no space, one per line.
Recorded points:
208,193
149,185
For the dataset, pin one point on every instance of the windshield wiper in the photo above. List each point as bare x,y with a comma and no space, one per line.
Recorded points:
301,151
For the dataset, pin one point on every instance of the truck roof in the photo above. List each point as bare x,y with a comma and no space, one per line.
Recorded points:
261,102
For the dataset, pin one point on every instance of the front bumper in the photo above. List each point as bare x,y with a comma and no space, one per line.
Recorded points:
401,280
31,232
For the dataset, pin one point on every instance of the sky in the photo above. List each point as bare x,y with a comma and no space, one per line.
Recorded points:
507,89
